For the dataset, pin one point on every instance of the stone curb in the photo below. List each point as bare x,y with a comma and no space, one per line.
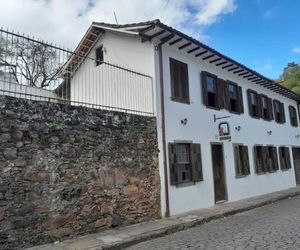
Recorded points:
198,221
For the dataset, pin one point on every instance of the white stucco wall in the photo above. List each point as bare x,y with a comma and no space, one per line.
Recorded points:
110,86
202,129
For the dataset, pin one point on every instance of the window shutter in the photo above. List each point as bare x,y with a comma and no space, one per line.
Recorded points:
258,162
249,102
265,159
173,77
259,105
226,95
221,95
287,158
172,162
204,88
237,160
245,158
185,81
240,100
282,113
270,109
196,162
281,158
275,158
291,115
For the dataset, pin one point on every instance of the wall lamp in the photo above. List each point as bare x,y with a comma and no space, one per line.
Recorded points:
269,132
238,128
184,121
297,136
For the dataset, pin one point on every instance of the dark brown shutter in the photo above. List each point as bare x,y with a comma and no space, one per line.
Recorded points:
204,88
249,102
270,109
226,95
258,162
240,100
185,81
282,113
287,158
173,77
291,115
237,160
172,163
245,158
259,105
265,159
220,93
275,158
281,158
196,162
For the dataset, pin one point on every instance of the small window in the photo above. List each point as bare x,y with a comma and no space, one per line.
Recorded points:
179,81
185,163
266,108
99,55
241,158
284,157
210,91
233,97
293,116
254,103
279,114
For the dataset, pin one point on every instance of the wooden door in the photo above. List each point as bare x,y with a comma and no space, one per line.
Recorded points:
296,158
219,173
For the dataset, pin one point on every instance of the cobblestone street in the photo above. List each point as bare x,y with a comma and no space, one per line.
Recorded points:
275,226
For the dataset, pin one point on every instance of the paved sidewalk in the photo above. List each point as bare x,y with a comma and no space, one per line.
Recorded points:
129,235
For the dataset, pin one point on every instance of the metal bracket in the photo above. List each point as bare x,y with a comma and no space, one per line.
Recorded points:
220,118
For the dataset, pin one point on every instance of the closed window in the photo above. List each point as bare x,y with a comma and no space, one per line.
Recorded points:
185,163
279,114
260,167
99,56
254,103
293,116
266,159
266,108
284,157
210,90
271,159
179,81
241,159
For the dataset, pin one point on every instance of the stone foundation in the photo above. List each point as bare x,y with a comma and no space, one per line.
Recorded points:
69,170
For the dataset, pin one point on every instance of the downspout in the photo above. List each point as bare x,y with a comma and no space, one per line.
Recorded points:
163,128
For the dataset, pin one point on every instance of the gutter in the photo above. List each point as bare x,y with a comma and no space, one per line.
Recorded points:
163,128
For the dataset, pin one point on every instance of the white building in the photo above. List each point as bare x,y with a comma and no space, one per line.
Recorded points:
200,94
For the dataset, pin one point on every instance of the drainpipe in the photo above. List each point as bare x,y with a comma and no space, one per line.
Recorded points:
163,128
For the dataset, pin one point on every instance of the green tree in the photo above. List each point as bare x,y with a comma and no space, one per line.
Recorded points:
291,77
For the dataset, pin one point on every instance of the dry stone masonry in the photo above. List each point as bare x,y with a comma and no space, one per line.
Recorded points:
68,170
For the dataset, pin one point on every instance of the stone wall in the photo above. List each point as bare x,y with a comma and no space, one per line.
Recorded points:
69,170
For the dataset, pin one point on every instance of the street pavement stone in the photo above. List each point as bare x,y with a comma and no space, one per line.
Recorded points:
274,226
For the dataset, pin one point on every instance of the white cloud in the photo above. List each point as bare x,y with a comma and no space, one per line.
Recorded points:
65,21
296,50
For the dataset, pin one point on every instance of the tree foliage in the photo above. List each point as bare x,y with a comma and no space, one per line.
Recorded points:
291,77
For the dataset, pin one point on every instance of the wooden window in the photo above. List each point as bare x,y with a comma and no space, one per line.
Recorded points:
241,159
293,116
210,90
234,98
259,156
254,103
271,159
179,81
99,55
266,108
279,114
284,157
185,163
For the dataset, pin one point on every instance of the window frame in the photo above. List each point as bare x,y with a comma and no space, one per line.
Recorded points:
237,98
181,99
195,168
258,115
283,162
269,107
245,170
293,114
204,75
281,112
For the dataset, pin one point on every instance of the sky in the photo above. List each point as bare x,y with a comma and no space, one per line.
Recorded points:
262,34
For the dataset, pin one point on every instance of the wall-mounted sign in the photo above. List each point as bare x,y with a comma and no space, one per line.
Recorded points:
224,131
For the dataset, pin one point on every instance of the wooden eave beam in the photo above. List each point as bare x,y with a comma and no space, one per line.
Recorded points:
176,41
194,49
201,53
216,60
166,38
221,63
207,57
157,34
184,46
238,71
227,66
234,68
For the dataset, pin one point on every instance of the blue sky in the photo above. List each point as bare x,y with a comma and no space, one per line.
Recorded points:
261,34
